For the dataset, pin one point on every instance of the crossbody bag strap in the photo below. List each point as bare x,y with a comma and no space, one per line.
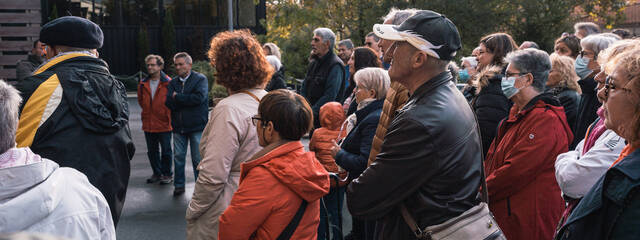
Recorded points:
250,94
291,227
484,197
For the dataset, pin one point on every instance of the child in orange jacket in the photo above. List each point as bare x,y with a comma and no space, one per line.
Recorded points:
331,119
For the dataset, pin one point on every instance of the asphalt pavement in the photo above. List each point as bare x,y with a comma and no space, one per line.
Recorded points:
151,212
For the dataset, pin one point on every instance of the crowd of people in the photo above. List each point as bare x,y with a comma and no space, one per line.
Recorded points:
534,146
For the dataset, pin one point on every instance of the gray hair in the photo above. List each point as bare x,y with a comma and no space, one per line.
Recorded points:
327,36
275,62
398,16
347,43
273,48
374,36
186,56
373,78
9,107
597,42
588,27
532,61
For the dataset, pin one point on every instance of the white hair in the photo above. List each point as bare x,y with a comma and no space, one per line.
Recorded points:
9,107
473,62
373,78
327,36
273,48
275,62
597,42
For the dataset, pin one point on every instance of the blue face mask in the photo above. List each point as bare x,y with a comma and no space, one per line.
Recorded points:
581,67
508,87
464,75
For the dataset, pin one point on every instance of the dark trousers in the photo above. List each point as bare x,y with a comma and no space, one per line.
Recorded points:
333,206
160,164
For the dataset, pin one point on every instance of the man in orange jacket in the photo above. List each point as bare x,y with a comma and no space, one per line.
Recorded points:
156,119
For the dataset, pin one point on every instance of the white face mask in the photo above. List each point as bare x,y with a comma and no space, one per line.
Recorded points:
508,87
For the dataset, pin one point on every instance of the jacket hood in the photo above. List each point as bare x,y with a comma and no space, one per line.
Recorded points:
550,103
332,116
488,75
96,98
26,195
295,168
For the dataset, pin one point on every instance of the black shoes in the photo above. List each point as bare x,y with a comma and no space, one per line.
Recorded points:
178,191
166,180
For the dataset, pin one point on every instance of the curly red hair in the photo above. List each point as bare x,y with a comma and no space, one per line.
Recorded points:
239,60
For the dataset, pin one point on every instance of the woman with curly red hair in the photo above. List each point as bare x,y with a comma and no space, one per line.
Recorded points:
229,138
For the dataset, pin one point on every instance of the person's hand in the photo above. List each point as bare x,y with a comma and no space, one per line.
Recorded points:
174,94
334,149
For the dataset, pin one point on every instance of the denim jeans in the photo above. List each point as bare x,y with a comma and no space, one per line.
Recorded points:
180,142
160,164
332,205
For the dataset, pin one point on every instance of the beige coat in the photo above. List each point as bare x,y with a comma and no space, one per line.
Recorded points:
397,96
228,140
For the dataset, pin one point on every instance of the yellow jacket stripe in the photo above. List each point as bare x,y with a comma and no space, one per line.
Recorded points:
58,60
33,111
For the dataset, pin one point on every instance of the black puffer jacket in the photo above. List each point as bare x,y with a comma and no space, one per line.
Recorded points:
490,106
277,81
587,110
89,129
570,99
430,161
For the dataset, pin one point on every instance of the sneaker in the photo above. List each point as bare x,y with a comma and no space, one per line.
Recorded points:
165,180
153,179
178,191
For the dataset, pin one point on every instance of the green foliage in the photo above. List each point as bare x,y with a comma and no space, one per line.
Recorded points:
205,68
54,12
218,91
143,46
290,23
168,41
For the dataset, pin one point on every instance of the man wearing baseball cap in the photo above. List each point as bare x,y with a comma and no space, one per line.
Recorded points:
75,112
430,159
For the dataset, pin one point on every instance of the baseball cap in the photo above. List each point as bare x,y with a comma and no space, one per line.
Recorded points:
426,30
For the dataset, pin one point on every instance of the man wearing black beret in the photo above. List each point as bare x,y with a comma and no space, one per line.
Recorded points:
75,113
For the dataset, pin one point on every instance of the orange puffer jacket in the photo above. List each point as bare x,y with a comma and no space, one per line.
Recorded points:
331,119
397,96
272,187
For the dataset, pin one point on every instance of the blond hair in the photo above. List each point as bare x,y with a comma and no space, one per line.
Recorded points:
565,66
614,50
373,78
629,61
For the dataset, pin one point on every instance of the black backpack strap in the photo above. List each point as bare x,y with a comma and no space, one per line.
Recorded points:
291,227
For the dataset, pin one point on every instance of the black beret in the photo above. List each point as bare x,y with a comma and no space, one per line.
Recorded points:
73,32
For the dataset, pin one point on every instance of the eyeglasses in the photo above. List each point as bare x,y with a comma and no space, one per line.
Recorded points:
508,74
582,53
608,85
255,120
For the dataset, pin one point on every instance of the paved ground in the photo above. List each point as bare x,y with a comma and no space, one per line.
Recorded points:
150,210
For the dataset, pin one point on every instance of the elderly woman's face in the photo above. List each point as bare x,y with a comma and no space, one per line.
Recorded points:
363,93
554,76
620,103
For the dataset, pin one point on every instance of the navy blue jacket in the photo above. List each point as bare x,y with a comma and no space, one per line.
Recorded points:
189,108
356,147
611,209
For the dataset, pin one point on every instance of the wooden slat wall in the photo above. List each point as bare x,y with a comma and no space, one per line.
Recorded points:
22,37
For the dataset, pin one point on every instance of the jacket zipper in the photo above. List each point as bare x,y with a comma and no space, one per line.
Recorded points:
182,92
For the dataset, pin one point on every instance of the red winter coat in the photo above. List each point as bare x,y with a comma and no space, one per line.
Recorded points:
271,189
156,117
331,119
523,193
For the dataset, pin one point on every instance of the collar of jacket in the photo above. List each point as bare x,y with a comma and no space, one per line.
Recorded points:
593,201
362,113
542,100
276,152
59,59
431,84
30,175
325,57
163,78
34,59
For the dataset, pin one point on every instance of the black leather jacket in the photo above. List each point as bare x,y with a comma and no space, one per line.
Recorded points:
430,161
